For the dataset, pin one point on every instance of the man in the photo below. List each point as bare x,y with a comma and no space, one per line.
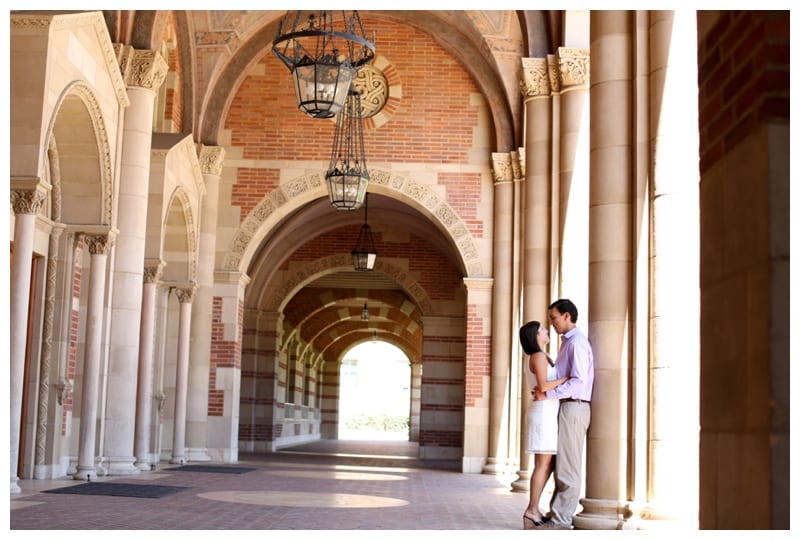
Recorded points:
576,362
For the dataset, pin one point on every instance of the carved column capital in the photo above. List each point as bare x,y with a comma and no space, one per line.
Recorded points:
142,68
501,167
552,73
28,195
153,271
211,159
63,388
185,294
574,67
535,80
521,156
516,168
99,244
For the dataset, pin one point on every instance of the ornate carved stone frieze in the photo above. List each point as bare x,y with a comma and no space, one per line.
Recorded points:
521,155
573,65
424,195
535,79
211,159
501,167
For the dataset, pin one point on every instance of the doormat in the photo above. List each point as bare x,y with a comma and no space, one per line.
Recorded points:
116,489
212,469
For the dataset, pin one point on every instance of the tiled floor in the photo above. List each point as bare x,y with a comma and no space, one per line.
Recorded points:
324,485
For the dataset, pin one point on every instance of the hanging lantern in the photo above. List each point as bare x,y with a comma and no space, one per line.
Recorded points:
323,50
364,254
347,174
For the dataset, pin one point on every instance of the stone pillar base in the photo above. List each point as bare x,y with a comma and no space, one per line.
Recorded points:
122,467
522,483
605,514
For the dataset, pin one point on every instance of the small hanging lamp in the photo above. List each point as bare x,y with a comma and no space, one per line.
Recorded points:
365,313
364,254
347,174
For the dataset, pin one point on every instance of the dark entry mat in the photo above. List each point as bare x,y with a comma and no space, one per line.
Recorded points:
212,469
116,489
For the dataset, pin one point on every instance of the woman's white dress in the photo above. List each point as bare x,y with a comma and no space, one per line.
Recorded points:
541,421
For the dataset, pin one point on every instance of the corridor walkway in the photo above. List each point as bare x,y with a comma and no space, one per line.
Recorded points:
323,485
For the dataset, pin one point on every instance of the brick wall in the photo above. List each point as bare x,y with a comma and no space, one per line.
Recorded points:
743,79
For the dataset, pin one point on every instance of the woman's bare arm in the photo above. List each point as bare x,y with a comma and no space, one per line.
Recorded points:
549,385
538,363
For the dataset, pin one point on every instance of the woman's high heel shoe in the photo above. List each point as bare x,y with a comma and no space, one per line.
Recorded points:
528,522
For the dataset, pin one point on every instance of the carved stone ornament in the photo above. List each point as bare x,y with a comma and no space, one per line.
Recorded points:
501,168
28,201
146,69
160,398
573,66
515,167
153,273
535,81
99,244
185,294
211,159
63,389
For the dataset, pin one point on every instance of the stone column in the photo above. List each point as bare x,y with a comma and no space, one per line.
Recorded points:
477,378
537,212
226,368
413,418
500,394
26,201
43,406
211,159
573,169
144,72
185,296
144,392
674,368
611,287
99,248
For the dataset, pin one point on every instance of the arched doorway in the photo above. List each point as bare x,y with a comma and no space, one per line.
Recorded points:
375,392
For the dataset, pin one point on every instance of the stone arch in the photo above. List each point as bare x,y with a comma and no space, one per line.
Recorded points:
286,290
79,148
179,239
302,189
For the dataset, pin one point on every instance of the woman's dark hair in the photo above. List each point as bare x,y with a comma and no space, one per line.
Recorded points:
527,337
566,306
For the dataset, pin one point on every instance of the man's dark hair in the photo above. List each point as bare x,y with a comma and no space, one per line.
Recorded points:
566,306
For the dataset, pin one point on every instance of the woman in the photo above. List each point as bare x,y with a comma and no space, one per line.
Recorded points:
541,421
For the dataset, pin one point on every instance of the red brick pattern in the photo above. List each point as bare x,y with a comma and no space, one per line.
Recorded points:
223,354
73,330
436,274
479,357
743,79
265,123
174,106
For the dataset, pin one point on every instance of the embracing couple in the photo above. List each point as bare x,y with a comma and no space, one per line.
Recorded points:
558,415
